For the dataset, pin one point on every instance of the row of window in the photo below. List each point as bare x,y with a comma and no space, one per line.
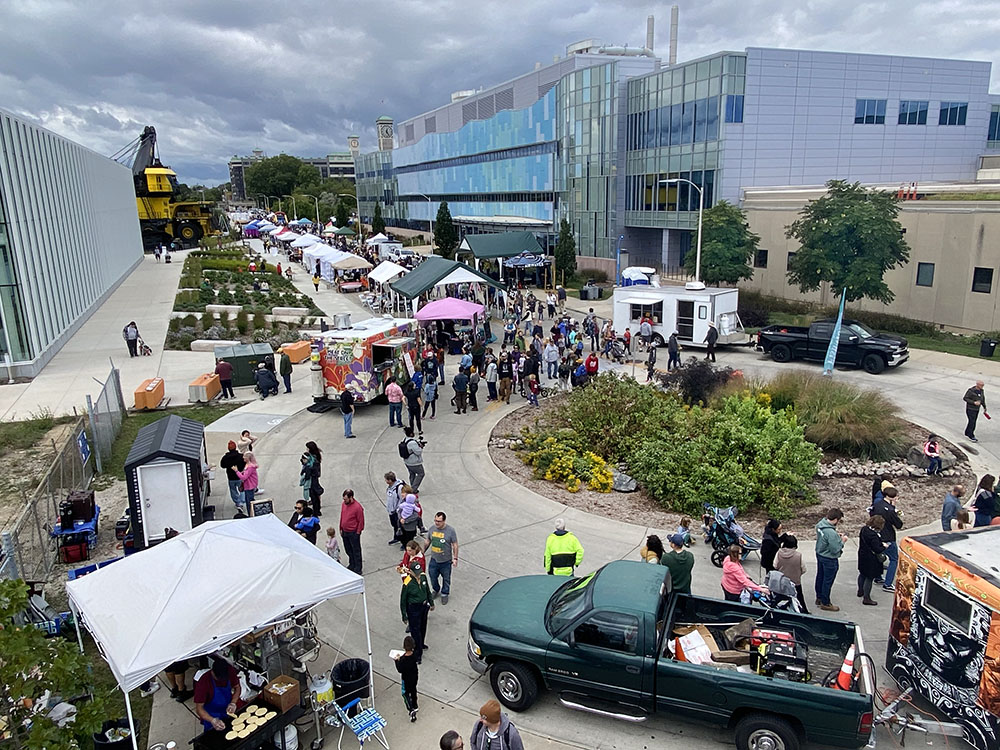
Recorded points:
680,124
650,192
911,112
535,149
526,197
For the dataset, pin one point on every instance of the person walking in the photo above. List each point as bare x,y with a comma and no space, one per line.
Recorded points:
646,332
679,561
393,499
248,477
131,335
563,551
734,579
673,352
952,505
233,463
309,474
550,304
285,370
550,355
789,563
412,395
461,385
975,399
414,458
395,396
491,380
225,372
985,501
650,363
406,665
710,339
352,523
494,730
561,298
505,371
473,388
415,602
871,551
430,396
442,543
347,409
829,548
886,507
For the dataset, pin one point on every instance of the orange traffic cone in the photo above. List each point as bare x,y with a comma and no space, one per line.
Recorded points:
846,676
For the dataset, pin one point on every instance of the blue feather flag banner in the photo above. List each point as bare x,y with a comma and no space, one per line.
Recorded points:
831,350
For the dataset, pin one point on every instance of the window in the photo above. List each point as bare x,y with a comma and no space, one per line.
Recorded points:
613,630
925,274
734,108
869,112
953,113
760,259
702,312
912,113
955,609
982,280
788,265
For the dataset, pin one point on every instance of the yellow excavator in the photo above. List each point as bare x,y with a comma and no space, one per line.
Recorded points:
162,218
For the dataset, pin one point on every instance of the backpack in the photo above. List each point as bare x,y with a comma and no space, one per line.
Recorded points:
404,449
505,744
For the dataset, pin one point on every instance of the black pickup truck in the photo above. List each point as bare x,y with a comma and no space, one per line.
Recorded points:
604,642
859,346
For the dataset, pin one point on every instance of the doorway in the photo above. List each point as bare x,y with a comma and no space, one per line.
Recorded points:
685,320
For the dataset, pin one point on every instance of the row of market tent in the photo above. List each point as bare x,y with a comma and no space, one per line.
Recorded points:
284,233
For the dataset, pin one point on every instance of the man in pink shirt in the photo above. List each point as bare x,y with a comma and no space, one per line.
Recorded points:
395,395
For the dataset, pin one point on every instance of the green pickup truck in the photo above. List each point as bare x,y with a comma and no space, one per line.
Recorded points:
603,642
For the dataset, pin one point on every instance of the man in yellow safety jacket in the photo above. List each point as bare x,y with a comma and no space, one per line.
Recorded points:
563,551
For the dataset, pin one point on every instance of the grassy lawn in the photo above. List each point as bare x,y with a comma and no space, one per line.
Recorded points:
115,466
24,434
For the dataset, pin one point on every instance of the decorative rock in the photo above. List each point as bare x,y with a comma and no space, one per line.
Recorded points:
623,482
916,457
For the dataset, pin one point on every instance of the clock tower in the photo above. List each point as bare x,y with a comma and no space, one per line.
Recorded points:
383,126
354,143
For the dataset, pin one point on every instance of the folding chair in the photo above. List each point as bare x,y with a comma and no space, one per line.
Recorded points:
367,724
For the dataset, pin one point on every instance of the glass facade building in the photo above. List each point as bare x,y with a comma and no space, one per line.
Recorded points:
69,234
611,141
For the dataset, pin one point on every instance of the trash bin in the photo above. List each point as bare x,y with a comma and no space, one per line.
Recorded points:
101,741
350,679
987,347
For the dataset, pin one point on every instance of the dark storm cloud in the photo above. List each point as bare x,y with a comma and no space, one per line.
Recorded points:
221,78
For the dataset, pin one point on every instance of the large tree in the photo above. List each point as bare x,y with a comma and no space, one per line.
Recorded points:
30,664
445,233
378,223
727,246
850,237
342,215
276,176
565,249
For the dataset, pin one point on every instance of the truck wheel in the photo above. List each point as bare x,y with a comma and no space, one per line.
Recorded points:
781,353
873,364
515,685
657,340
764,732
190,232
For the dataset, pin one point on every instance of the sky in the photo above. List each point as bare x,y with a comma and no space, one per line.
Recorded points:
218,78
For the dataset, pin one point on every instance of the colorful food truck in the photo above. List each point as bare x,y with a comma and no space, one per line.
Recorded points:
944,639
361,357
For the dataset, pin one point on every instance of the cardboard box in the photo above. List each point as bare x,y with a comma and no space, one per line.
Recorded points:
695,644
204,388
282,692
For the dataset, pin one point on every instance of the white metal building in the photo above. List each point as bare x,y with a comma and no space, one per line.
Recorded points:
69,234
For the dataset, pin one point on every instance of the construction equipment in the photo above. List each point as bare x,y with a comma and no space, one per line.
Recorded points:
162,218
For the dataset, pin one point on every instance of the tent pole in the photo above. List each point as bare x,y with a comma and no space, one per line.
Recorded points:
131,721
76,622
368,638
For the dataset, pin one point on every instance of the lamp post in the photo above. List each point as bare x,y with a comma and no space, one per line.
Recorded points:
348,195
295,213
261,195
429,201
618,257
316,201
277,198
696,284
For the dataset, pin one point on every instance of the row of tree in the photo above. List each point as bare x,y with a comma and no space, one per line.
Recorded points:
283,175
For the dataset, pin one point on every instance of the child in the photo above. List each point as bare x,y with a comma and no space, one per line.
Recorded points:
409,516
316,281
332,546
933,452
627,338
406,665
308,525
684,529
533,390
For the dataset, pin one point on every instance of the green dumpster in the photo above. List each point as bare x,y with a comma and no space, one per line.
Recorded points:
244,358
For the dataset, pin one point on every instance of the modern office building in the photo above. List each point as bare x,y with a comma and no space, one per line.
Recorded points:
606,137
332,165
69,234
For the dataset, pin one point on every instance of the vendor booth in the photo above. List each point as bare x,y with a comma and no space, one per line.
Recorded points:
436,272
242,591
167,486
466,323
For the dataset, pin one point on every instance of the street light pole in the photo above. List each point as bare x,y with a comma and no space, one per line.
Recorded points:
295,213
360,228
430,202
277,198
316,201
618,258
696,284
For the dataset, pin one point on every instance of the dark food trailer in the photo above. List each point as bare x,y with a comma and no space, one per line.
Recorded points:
167,483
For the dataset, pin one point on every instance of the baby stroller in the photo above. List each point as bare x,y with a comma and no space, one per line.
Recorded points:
617,351
722,531
143,348
782,594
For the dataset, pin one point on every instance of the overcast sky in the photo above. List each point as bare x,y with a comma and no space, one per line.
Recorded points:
221,78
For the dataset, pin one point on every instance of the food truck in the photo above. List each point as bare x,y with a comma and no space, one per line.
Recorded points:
944,638
361,357
677,308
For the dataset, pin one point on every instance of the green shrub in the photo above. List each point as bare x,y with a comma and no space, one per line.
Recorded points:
207,320
597,275
259,321
189,321
696,380
840,417
224,319
242,322
225,297
174,325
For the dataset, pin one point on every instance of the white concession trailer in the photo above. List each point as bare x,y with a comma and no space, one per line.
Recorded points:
677,308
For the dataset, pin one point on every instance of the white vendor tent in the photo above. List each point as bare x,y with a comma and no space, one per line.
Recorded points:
305,240
349,261
386,271
202,590
376,239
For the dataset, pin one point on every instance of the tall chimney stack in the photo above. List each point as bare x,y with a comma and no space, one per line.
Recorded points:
649,33
672,59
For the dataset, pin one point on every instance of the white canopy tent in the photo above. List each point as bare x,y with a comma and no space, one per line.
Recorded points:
386,271
305,240
349,261
376,239
202,590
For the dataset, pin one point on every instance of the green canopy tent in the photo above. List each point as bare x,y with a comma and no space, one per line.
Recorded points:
345,231
437,271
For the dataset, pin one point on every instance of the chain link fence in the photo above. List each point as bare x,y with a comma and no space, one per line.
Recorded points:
27,549
106,413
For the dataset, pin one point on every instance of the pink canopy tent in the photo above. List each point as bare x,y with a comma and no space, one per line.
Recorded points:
449,308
